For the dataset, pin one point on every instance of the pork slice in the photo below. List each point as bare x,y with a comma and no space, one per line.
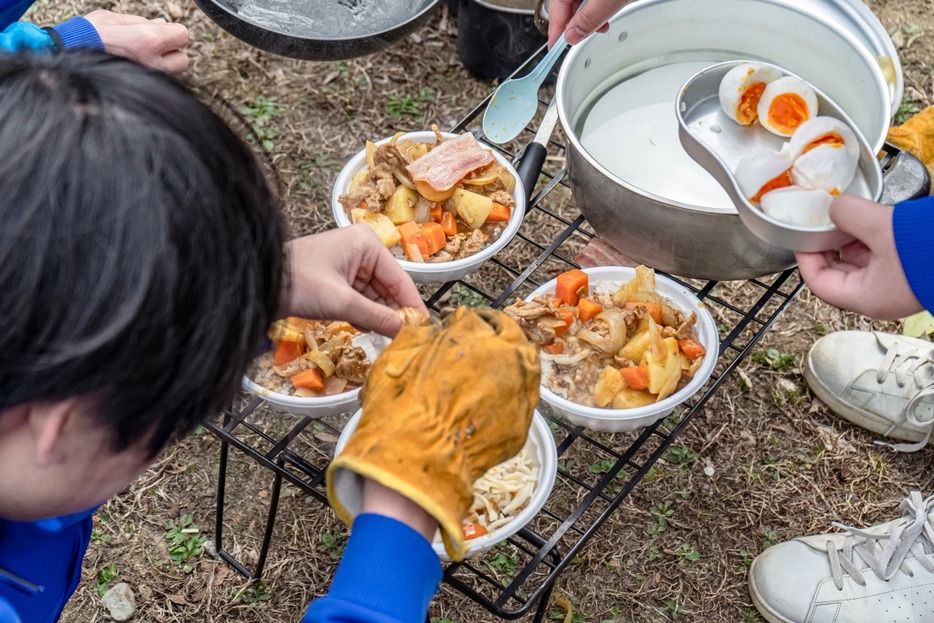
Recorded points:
448,163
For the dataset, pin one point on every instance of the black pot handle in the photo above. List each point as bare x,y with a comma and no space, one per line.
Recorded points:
904,176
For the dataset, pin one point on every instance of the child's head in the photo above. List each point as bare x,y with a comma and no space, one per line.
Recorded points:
140,263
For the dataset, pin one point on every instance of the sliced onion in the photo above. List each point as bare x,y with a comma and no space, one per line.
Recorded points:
616,320
403,178
321,360
334,385
567,360
602,344
423,210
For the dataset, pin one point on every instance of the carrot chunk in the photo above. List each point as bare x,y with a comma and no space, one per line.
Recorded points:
499,213
569,285
692,349
309,379
636,377
433,235
287,351
449,223
587,309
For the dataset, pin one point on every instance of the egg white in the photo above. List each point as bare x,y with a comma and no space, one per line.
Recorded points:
758,169
735,84
775,92
824,167
817,128
798,206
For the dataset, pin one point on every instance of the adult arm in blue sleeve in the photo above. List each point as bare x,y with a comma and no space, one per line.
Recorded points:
388,574
78,32
913,226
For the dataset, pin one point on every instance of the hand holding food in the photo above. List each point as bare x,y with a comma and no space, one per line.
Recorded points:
797,184
347,274
865,276
442,404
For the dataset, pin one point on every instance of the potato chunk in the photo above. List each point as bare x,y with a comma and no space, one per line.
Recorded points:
379,223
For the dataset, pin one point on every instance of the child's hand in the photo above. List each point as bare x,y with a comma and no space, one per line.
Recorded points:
866,275
348,274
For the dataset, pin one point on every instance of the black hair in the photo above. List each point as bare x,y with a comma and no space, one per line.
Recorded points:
141,248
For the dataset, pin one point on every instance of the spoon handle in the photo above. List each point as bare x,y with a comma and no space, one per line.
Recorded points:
537,75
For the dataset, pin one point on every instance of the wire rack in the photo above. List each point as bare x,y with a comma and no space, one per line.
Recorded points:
518,575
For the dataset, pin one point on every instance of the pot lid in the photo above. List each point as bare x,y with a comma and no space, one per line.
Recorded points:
859,20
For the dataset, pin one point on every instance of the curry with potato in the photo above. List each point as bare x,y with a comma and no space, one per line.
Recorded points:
432,202
620,349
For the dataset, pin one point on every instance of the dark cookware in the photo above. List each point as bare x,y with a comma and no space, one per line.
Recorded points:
320,30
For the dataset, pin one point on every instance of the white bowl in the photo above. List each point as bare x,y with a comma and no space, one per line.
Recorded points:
344,402
609,278
436,272
545,455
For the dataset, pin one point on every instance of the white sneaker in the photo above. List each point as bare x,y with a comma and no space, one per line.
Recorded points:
883,574
880,381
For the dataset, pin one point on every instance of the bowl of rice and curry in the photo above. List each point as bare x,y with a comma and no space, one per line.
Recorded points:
442,203
620,347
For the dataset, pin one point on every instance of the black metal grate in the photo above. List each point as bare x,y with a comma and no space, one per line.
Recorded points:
581,500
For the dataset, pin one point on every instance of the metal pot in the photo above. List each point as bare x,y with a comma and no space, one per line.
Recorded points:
325,30
638,206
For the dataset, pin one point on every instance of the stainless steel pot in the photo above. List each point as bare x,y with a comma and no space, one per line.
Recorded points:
677,235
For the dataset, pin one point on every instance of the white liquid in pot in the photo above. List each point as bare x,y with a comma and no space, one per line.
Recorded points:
632,131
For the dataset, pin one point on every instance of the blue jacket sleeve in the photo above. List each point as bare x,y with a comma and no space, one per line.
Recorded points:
388,574
913,227
79,33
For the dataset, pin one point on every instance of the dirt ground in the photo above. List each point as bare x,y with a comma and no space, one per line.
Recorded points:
783,465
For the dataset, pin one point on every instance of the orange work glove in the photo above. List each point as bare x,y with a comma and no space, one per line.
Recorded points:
441,405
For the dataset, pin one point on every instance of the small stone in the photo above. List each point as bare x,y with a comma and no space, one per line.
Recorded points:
708,470
120,602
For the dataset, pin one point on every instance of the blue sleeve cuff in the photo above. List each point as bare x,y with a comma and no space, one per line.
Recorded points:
913,227
79,33
388,574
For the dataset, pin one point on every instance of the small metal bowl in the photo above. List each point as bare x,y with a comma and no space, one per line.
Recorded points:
718,143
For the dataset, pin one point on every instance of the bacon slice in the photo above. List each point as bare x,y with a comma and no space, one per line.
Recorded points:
448,163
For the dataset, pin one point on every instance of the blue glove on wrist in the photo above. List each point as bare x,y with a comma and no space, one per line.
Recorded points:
25,36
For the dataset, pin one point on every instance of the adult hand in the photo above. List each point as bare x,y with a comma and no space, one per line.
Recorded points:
866,275
152,42
564,17
348,274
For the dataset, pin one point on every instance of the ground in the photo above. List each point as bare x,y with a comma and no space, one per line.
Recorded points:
783,465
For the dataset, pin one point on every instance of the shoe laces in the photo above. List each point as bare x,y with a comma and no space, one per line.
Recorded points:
905,363
917,365
885,552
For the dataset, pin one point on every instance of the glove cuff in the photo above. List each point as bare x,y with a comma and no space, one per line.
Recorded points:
344,481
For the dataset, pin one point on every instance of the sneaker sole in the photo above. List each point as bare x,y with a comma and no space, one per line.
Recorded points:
864,419
767,613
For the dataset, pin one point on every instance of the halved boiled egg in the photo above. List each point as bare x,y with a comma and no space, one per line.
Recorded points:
741,88
785,104
798,206
825,167
761,172
822,131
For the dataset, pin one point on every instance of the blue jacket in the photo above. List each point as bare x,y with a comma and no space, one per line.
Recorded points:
388,573
74,33
913,226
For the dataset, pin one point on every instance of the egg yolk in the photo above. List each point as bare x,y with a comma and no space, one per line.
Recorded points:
831,140
779,182
787,111
749,102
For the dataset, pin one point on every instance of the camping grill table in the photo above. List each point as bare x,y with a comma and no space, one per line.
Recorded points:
550,542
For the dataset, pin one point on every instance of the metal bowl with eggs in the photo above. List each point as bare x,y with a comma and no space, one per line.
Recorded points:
781,149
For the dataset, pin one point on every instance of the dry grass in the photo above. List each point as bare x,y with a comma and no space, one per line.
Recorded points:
782,464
